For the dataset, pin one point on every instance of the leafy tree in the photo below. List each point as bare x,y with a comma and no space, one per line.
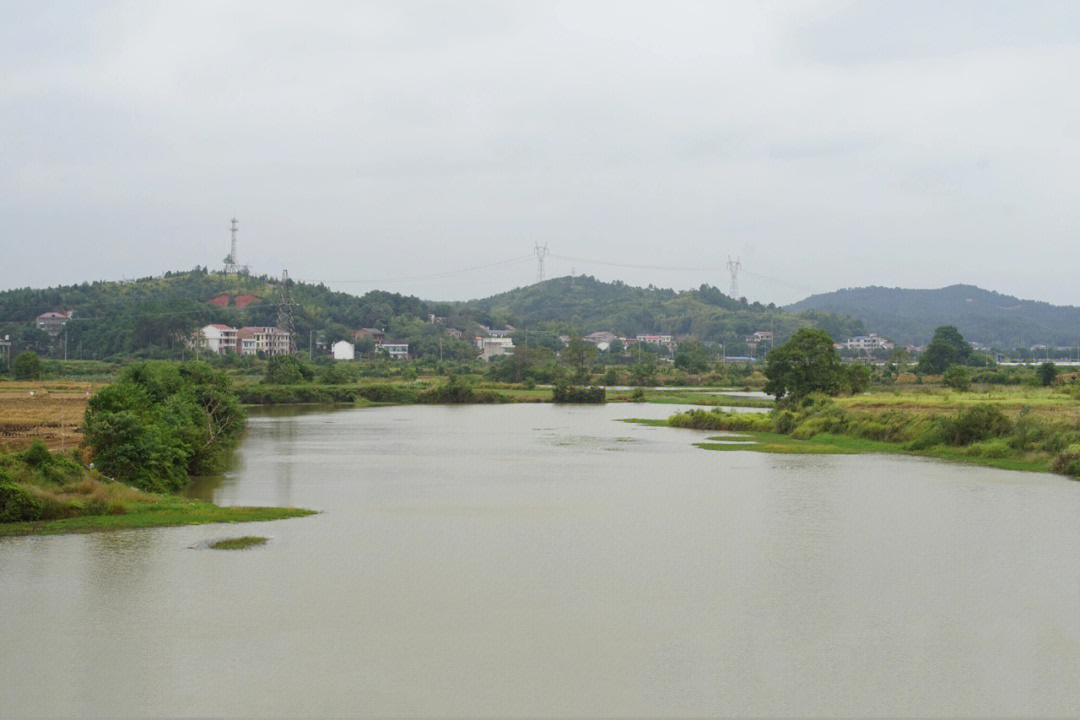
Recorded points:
286,370
579,354
805,364
161,423
643,372
1047,372
947,348
956,377
27,366
858,376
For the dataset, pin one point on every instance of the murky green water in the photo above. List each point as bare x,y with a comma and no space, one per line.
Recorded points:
538,560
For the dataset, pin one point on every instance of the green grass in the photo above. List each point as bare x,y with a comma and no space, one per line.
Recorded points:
166,511
238,543
830,444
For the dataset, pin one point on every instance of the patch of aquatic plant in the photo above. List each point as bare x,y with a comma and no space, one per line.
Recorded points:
238,543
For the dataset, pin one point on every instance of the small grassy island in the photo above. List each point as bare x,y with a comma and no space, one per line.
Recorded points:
244,542
144,437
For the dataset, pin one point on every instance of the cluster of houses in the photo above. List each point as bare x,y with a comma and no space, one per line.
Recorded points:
221,339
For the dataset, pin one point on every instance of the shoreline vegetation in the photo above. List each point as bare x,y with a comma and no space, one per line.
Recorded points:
1022,429
144,437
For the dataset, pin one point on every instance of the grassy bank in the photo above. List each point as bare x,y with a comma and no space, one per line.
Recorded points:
1022,430
47,493
156,511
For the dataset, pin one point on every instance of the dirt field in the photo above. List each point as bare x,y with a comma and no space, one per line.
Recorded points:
51,410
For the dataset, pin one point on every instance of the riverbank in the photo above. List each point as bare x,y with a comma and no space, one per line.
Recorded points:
1022,430
46,493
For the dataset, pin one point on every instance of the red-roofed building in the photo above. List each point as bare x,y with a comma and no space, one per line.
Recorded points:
52,322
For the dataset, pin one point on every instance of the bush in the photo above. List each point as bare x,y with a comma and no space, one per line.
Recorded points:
567,393
18,503
161,423
975,424
27,366
956,377
287,370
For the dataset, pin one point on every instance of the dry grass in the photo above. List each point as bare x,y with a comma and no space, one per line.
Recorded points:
49,410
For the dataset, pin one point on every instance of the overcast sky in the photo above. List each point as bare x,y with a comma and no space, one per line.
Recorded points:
827,144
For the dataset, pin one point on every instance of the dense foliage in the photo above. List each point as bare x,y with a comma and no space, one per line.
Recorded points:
162,423
27,366
807,363
947,348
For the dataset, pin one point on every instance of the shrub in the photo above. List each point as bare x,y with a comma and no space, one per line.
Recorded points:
286,370
567,393
956,377
18,503
27,366
977,423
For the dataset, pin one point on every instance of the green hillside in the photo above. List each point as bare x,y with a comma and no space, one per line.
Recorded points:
587,305
152,317
910,316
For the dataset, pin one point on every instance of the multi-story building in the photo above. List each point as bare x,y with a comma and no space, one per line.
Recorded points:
666,340
53,322
396,350
868,342
493,347
217,338
262,339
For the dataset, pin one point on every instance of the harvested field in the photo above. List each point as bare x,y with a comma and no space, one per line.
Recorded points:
49,410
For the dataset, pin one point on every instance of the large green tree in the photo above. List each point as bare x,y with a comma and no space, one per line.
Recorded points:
27,366
805,364
947,348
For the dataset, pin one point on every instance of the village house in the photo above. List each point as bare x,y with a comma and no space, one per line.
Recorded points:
217,338
53,322
395,349
261,339
602,340
494,347
665,340
868,342
343,350
375,334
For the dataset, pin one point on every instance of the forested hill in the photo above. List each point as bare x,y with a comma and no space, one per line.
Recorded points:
589,305
153,317
910,316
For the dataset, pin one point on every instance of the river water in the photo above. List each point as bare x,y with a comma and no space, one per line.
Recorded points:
543,560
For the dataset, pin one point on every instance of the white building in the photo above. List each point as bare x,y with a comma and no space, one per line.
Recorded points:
493,347
217,338
343,350
396,350
868,342
261,339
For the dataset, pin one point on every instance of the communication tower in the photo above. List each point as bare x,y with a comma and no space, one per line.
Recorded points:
285,309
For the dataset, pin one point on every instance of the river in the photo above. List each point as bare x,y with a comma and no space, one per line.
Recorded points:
544,560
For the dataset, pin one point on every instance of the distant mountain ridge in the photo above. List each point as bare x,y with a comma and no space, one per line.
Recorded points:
909,316
704,313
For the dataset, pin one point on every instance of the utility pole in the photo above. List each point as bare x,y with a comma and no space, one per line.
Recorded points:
310,344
